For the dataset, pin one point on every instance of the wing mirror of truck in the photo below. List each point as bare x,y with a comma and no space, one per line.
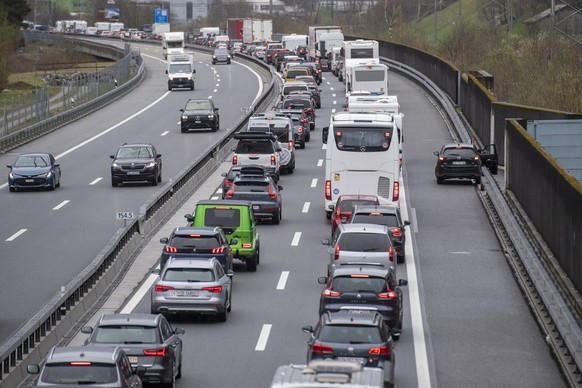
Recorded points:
194,71
166,71
324,133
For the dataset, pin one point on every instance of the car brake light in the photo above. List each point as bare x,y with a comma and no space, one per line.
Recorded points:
227,182
337,212
194,235
234,160
396,192
290,145
79,363
359,276
273,160
247,245
170,249
328,293
214,289
160,288
337,251
159,352
271,193
218,250
230,192
391,253
380,351
387,295
328,190
396,232
304,121
317,348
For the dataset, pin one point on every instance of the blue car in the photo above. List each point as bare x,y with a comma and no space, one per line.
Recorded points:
34,171
301,131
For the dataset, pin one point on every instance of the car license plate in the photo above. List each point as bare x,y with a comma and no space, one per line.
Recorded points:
256,207
133,173
29,180
132,359
459,162
353,359
186,293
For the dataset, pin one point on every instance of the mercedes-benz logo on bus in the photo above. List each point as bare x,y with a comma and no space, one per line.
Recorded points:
362,149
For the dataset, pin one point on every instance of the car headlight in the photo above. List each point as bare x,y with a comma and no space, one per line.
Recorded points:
46,174
115,165
214,56
10,175
211,117
228,56
184,117
150,165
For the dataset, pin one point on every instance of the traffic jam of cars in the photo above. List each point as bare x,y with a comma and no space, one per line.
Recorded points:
361,303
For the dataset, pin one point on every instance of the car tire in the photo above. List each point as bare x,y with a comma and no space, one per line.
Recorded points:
52,186
440,181
169,88
302,145
328,215
114,183
184,130
59,182
160,177
11,189
277,218
172,383
308,136
251,263
223,315
179,375
402,257
229,308
478,181
228,62
494,170
258,253
192,87
154,182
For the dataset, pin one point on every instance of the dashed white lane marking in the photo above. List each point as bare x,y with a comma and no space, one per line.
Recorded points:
334,102
324,146
263,338
60,205
15,235
138,296
314,182
413,220
333,110
320,163
296,239
306,207
178,122
333,95
209,97
329,83
282,280
217,85
460,253
215,90
165,132
95,181
331,87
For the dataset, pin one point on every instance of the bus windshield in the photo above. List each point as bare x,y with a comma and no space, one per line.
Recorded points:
358,139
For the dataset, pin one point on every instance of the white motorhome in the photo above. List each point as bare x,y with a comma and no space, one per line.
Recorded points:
291,42
371,77
362,156
180,71
172,43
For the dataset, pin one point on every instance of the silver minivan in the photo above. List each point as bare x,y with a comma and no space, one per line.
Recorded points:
360,244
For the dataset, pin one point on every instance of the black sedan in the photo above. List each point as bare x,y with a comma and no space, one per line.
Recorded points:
34,171
199,114
138,162
262,192
149,341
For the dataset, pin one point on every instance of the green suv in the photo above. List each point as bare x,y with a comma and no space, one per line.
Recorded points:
237,220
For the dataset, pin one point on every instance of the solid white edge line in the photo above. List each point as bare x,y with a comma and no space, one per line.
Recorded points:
282,280
333,95
420,352
139,295
314,182
333,110
334,102
413,220
320,163
306,207
60,205
263,337
296,238
95,181
15,235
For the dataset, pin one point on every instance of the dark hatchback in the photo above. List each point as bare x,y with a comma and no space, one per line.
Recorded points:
355,335
388,215
464,161
263,194
221,55
34,171
301,132
365,287
199,114
191,242
235,171
136,163
148,340
344,207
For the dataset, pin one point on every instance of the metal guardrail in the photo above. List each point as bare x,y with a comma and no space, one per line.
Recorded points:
56,321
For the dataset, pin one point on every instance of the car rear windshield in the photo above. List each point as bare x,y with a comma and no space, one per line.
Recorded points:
65,373
192,242
359,284
389,220
350,334
254,147
291,104
288,89
190,275
223,217
125,334
253,187
349,204
364,242
295,73
462,152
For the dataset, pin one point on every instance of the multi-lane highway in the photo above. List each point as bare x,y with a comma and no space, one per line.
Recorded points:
466,322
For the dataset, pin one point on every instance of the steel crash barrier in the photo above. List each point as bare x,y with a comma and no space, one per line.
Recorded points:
63,315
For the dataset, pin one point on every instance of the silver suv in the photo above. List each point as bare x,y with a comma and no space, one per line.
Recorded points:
360,244
258,148
80,365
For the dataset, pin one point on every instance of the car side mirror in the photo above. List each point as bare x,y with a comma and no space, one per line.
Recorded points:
166,71
279,187
322,280
325,242
9,166
332,207
406,223
164,240
402,282
436,153
216,109
324,133
230,273
194,71
307,329
179,330
155,271
33,369
158,155
57,164
112,156
181,110
86,330
278,150
189,217
233,241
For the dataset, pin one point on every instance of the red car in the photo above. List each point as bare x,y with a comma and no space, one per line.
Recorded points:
345,206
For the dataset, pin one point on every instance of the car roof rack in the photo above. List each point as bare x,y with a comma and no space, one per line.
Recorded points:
254,136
